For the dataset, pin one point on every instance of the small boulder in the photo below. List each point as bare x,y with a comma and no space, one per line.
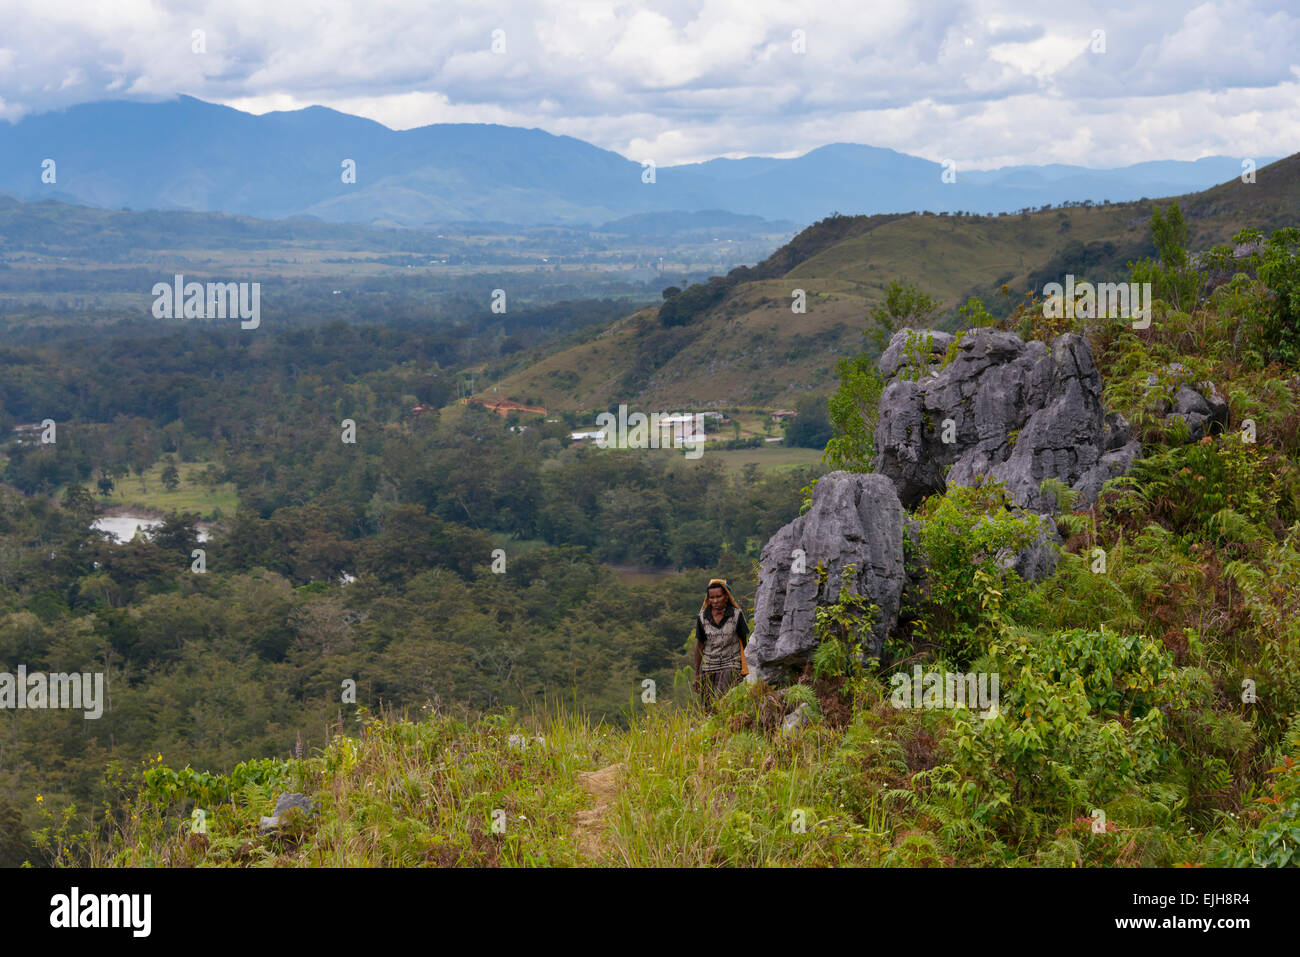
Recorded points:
283,803
795,720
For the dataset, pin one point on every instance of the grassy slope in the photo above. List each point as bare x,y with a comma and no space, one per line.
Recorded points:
753,350
692,792
190,496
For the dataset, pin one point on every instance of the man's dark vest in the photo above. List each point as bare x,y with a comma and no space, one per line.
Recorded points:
721,646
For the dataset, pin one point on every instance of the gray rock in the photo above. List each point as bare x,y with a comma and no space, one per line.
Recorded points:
1037,560
795,720
1202,408
854,519
894,357
1003,408
1205,413
282,804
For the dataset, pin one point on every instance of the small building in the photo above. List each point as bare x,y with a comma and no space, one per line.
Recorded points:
679,429
24,434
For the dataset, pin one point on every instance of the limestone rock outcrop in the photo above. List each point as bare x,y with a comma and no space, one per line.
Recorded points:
954,410
1018,412
854,520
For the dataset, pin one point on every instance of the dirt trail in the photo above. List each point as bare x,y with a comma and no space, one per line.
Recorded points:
589,825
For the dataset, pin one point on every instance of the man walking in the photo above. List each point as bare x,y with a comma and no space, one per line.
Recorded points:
720,636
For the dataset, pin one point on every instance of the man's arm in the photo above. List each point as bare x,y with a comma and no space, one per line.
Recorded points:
699,646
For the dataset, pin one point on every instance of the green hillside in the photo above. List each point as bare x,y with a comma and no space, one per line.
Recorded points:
750,348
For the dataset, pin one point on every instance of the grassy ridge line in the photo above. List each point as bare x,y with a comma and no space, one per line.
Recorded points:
752,350
694,791
423,794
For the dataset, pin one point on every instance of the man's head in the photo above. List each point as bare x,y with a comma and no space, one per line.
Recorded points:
717,598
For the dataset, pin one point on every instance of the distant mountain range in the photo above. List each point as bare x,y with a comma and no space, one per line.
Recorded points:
186,154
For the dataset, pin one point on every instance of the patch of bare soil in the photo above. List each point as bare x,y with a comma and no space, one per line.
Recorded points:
589,825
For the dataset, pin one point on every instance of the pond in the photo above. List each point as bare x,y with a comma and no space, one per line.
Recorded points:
123,527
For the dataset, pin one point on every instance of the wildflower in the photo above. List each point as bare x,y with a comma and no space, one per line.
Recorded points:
39,799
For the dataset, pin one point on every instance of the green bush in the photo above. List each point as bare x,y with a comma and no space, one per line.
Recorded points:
852,409
1079,724
966,535
1185,487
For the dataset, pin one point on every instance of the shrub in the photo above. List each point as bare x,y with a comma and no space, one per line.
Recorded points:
1079,724
852,410
1185,487
965,536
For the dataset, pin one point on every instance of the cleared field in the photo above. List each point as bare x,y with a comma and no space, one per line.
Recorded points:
770,458
147,492
776,457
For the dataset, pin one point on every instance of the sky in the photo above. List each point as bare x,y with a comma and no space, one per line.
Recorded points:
985,84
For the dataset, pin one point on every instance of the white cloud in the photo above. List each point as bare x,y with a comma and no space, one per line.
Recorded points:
986,82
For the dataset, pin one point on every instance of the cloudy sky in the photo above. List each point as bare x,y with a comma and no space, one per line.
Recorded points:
985,83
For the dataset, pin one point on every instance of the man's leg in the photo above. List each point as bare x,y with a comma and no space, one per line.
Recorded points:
708,689
715,685
727,680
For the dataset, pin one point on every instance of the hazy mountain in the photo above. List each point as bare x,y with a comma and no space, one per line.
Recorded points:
191,155
715,222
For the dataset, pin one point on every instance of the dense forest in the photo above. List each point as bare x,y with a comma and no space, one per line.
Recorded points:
1150,710
372,561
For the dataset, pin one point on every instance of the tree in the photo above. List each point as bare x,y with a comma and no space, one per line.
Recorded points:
105,484
811,426
1276,264
1279,269
1173,279
78,500
177,533
696,544
904,305
14,849
171,477
852,411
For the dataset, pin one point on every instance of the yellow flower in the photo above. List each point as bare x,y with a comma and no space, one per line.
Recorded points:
159,758
39,799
